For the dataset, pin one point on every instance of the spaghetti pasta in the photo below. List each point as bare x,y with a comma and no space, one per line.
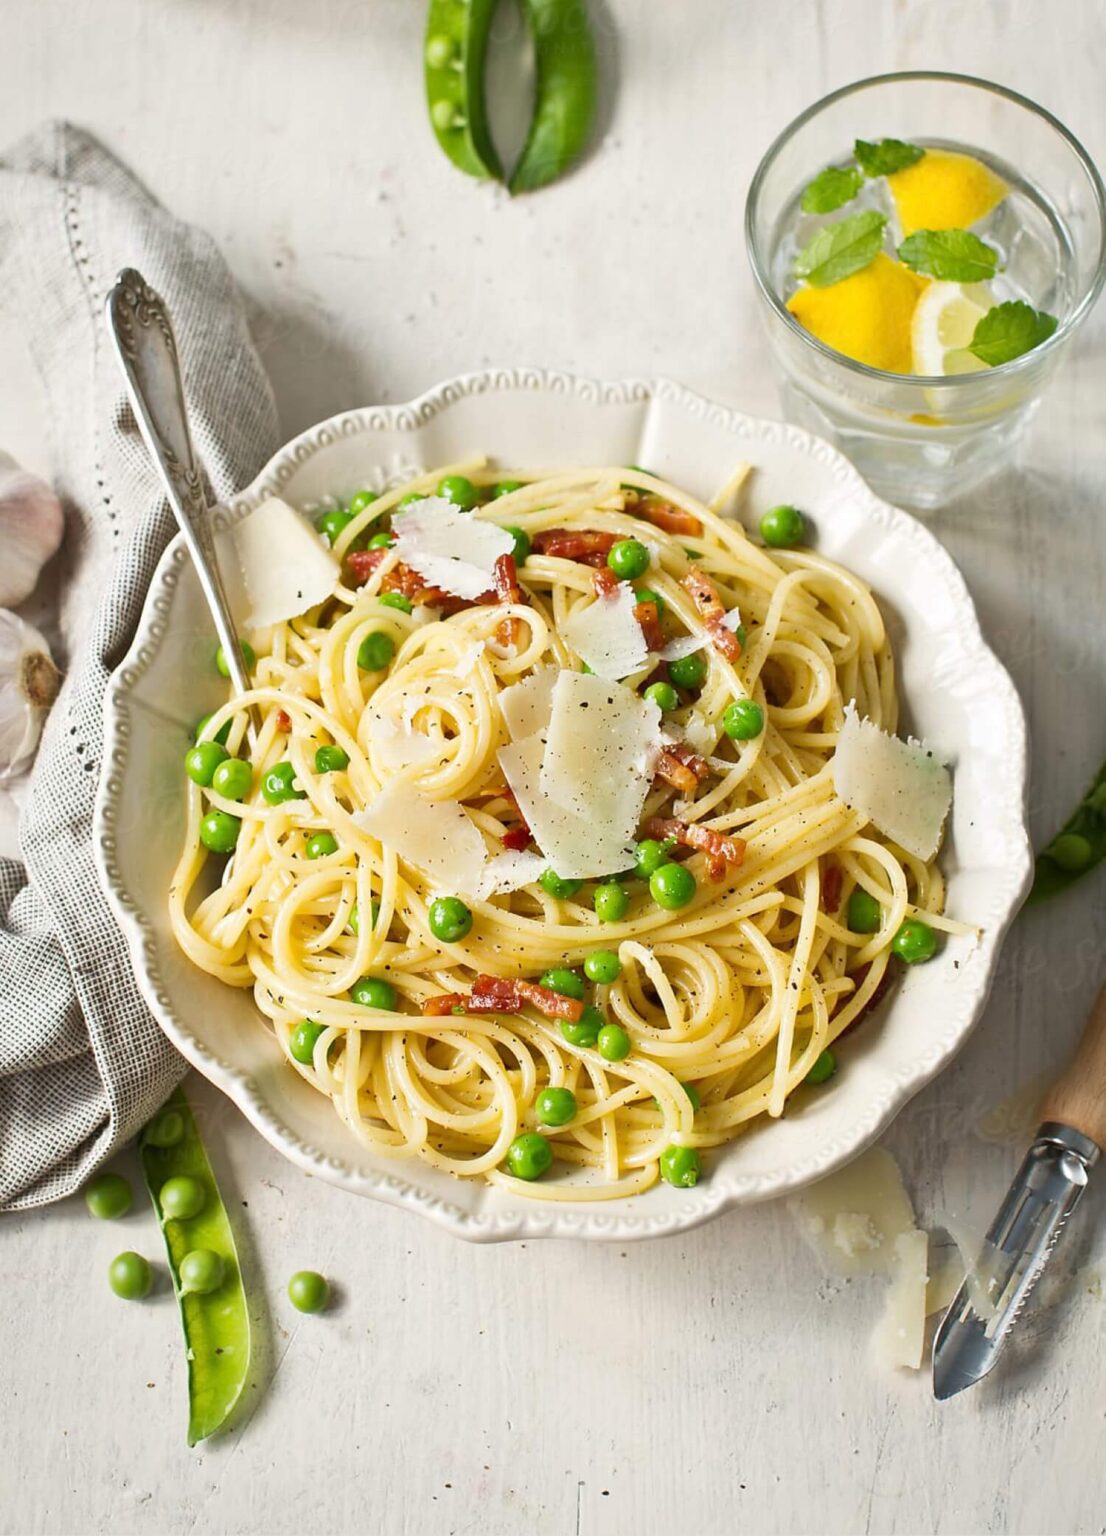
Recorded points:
728,997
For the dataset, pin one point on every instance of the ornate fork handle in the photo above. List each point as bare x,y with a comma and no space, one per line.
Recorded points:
147,350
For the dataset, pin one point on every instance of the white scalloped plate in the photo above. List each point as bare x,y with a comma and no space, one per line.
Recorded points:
958,697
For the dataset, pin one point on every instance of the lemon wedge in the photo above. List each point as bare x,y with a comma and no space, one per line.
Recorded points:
943,324
944,190
867,316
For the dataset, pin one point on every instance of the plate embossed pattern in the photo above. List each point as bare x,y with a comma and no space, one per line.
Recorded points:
948,668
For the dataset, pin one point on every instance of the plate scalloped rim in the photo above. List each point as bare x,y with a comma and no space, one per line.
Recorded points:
504,1218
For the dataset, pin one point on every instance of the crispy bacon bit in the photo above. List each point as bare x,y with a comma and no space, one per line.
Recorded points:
662,514
517,839
497,994
444,1002
832,877
584,545
705,597
722,852
363,562
673,771
604,581
284,721
649,621
507,590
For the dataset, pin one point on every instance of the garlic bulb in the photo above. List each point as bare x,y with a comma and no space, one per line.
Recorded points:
29,684
31,526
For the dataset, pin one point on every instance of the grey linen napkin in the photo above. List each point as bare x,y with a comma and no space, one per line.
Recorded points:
82,1061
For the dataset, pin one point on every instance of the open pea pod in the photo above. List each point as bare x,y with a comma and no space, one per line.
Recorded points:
1077,847
454,54
216,1325
565,92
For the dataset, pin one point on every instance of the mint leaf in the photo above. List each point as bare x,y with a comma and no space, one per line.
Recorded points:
953,255
1008,330
886,157
831,188
840,249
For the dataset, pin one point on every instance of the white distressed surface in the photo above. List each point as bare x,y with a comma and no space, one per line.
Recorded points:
707,1384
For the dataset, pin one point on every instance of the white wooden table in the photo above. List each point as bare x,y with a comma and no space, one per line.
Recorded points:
714,1383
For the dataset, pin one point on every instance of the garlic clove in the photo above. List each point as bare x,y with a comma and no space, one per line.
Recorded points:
31,528
29,683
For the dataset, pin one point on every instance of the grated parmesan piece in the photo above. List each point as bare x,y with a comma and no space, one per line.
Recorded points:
449,548
598,761
281,566
898,785
436,837
574,848
607,636
398,745
510,871
526,706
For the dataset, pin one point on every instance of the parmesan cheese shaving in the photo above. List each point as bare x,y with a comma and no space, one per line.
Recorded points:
510,871
281,567
398,745
526,706
602,742
436,837
607,636
574,848
899,1338
449,548
898,785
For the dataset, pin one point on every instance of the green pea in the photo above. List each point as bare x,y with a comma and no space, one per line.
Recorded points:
555,1106
444,115
688,671
334,523
915,942
165,1130
647,595
610,901
373,992
181,1198
565,982
505,488
521,551
108,1196
552,884
219,831
823,1069
583,1031
248,653
650,855
278,784
320,845
692,1094
628,559
220,735
395,600
742,635
440,51
200,1272
614,1043
529,1155
663,695
375,651
672,886
783,527
450,920
201,761
330,759
360,501
308,1291
743,720
681,1167
459,490
693,554
603,966
1096,801
863,913
355,916
130,1276
1071,851
303,1039
386,540
233,779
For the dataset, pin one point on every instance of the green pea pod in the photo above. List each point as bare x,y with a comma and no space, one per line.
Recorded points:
1077,847
216,1325
565,92
454,52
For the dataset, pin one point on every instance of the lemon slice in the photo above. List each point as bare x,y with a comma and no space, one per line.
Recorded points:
866,316
943,324
943,190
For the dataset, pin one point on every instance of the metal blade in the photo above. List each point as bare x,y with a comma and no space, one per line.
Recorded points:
1017,1246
